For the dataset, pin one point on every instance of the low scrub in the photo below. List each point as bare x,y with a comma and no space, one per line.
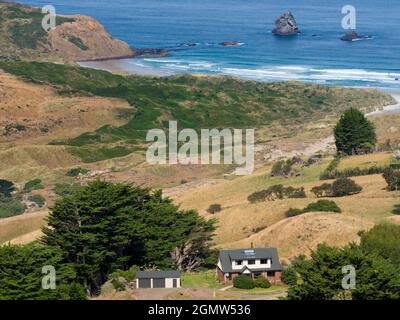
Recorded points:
320,205
262,282
341,187
74,172
282,168
214,208
243,282
65,189
38,199
392,179
35,184
276,192
11,206
352,172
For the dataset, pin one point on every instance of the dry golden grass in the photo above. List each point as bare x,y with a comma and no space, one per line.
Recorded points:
366,161
241,223
23,228
37,107
299,235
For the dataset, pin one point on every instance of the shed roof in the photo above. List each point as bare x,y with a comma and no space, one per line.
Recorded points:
158,274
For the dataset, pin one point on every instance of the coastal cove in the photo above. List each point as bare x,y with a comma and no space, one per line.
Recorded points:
193,33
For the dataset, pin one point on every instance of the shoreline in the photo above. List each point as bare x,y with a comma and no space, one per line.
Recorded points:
123,66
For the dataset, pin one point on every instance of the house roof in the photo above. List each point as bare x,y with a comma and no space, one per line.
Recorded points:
226,257
158,274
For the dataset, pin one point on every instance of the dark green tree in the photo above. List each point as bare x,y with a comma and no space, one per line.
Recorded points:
342,187
383,239
289,276
6,187
21,274
321,276
354,133
105,226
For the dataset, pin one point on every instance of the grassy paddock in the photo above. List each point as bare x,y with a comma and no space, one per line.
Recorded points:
202,279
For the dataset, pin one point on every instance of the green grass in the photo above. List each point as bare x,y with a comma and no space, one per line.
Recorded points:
78,42
203,279
23,25
262,291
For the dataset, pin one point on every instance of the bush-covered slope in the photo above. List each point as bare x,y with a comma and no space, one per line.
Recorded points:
196,102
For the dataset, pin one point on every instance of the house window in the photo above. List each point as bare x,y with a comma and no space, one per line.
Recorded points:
270,273
251,262
264,261
238,262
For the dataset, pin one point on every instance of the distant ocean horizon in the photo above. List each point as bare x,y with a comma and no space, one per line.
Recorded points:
193,29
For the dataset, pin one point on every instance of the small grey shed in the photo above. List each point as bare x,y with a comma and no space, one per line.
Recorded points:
158,279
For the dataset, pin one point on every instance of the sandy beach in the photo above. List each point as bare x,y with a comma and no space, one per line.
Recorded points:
125,66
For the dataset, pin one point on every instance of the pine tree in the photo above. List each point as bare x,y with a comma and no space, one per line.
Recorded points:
354,133
104,227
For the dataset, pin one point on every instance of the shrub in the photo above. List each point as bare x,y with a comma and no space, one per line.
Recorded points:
292,212
129,274
262,282
276,192
259,196
282,168
352,172
289,276
243,282
65,189
345,187
392,179
38,199
396,209
35,184
11,207
324,190
322,205
293,193
74,172
214,208
6,188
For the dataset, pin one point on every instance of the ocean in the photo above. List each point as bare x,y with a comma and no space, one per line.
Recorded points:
316,55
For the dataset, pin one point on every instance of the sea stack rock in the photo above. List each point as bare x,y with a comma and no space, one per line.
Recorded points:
230,43
351,35
286,25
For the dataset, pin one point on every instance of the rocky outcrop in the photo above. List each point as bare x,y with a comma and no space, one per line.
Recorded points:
351,35
75,38
286,25
230,43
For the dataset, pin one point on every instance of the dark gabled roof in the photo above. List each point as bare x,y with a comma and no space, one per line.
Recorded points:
226,257
158,274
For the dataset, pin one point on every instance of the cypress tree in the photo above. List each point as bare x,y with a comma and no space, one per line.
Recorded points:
354,133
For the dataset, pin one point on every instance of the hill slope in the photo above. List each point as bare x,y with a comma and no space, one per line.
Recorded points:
196,102
75,37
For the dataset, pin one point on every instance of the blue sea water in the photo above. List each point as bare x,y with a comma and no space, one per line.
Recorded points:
315,55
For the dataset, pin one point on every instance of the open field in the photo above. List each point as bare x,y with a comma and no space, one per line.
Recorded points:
23,228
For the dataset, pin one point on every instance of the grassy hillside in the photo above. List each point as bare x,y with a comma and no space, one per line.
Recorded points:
196,102
21,32
241,223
